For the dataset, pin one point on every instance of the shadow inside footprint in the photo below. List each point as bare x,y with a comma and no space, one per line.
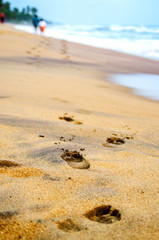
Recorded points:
13,169
115,140
67,119
3,97
75,160
70,119
104,214
6,215
69,226
7,164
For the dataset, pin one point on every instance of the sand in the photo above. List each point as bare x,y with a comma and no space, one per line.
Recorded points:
56,100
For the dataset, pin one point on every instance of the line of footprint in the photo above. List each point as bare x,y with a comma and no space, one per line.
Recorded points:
102,214
34,55
64,50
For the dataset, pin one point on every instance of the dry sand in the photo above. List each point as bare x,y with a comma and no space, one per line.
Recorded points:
44,196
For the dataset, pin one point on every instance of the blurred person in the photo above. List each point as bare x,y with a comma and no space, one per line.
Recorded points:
2,17
42,25
35,22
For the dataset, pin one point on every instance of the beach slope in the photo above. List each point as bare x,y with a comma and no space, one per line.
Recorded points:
79,155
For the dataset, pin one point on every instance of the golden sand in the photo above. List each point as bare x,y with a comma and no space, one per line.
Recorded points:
55,97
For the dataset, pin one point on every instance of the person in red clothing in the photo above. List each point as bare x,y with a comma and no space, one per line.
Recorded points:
2,17
42,25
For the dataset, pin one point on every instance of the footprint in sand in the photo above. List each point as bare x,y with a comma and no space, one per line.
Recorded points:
75,160
17,170
8,214
70,226
116,140
64,50
4,97
47,177
37,55
113,141
69,119
104,214
34,56
7,164
28,52
60,100
67,57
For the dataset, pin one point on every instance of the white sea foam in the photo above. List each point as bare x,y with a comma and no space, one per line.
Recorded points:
137,29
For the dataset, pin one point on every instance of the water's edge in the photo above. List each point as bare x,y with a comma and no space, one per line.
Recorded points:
146,85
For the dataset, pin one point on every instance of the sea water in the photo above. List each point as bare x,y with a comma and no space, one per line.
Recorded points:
146,85
137,40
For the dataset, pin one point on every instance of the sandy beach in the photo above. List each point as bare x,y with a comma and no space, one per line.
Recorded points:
79,155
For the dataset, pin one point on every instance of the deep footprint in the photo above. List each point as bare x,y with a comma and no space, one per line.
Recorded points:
7,164
104,214
6,215
115,140
69,226
75,160
17,170
69,119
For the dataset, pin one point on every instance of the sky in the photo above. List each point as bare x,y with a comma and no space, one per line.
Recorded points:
89,12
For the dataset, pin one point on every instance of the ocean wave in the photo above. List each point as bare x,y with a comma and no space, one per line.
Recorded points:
112,31
111,28
137,29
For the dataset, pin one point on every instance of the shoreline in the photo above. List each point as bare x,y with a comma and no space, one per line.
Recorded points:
86,40
104,50
135,83
132,90
56,99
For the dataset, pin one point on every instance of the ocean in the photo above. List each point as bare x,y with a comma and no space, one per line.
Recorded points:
140,40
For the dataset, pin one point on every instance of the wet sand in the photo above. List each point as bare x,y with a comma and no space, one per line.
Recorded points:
79,155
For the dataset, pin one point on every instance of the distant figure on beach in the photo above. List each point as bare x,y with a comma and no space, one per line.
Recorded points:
42,25
35,22
2,17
